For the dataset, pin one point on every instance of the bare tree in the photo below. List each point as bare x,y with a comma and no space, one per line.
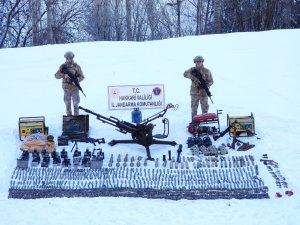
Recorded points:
286,12
166,21
67,20
118,20
217,16
35,7
177,5
49,9
14,23
37,22
128,20
10,9
271,6
198,17
295,17
239,14
151,14
207,15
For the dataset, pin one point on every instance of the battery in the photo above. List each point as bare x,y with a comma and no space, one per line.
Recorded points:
31,125
62,140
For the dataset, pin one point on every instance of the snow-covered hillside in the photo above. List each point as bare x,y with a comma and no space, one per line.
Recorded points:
253,72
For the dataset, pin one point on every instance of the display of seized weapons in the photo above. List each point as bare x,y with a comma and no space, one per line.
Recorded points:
73,79
141,133
203,83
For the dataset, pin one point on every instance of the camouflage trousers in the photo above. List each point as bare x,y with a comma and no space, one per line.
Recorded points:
72,96
203,99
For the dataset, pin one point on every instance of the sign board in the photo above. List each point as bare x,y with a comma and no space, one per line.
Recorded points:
136,96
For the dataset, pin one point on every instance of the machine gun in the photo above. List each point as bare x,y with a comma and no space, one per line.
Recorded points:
203,83
73,79
89,140
141,133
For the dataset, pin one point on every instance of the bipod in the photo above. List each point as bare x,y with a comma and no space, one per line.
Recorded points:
74,146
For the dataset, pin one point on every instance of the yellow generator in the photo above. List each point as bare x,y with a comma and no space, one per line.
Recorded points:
31,125
242,126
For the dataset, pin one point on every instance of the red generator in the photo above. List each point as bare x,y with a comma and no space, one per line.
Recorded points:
201,124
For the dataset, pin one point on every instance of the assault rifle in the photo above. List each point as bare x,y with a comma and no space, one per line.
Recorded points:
203,83
269,161
73,79
141,133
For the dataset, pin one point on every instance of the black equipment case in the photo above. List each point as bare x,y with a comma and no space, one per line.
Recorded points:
76,127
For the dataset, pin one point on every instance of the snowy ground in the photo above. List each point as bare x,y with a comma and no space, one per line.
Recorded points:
253,72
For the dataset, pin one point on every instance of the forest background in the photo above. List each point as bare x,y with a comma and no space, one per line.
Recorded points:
26,23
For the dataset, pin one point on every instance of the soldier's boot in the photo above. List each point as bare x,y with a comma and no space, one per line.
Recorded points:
67,100
149,154
193,114
69,111
76,111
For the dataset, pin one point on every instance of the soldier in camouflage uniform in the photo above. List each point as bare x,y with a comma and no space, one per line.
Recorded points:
197,93
71,92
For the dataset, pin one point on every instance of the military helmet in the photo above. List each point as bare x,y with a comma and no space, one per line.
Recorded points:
69,55
198,58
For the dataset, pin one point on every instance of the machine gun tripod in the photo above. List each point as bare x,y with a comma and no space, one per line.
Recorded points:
141,133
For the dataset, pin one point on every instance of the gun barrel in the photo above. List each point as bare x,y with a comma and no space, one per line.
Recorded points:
160,114
122,126
89,111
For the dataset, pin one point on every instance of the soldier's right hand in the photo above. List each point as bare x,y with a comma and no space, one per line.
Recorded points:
197,82
193,71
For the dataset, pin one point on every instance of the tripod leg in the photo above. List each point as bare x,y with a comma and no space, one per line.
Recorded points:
173,143
114,142
234,140
149,154
75,145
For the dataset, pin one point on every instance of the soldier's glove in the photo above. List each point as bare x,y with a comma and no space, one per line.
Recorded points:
194,71
195,80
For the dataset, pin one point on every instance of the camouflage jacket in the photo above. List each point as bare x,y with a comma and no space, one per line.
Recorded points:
206,75
75,69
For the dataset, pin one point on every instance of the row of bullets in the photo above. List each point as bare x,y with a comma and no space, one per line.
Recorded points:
229,178
172,194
